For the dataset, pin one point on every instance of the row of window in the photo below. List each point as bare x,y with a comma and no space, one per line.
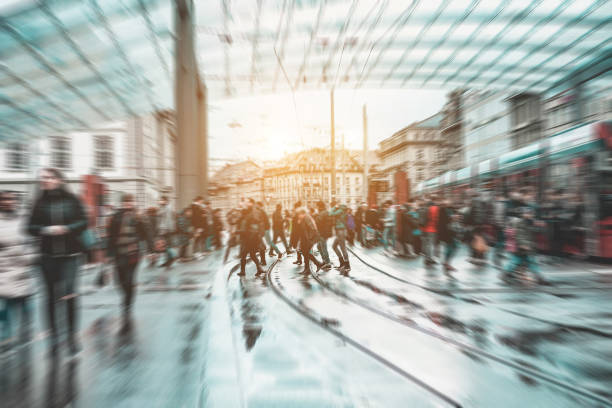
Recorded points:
18,154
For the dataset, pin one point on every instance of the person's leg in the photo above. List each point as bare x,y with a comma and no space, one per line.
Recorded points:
335,248
323,250
533,266
514,262
244,250
342,244
70,270
49,273
254,243
272,244
427,246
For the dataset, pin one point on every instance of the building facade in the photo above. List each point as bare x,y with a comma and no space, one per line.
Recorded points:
452,136
306,177
234,183
415,150
133,156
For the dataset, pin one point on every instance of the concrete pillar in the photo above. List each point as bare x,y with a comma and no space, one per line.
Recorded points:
203,137
189,150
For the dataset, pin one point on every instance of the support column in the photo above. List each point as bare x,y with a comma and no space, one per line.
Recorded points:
189,157
333,149
365,154
203,136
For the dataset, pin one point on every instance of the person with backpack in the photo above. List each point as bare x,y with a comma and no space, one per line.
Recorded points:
523,253
309,236
324,225
126,230
338,212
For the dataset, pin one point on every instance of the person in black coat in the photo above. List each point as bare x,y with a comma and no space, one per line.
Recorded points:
278,228
309,236
59,220
251,227
125,232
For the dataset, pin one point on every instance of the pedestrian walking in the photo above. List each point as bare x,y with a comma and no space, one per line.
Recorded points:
278,228
266,235
17,283
198,221
166,230
251,230
338,212
184,229
389,225
295,233
323,222
430,229
126,231
58,219
524,249
309,236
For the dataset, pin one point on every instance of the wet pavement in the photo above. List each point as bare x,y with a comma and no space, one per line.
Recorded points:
390,334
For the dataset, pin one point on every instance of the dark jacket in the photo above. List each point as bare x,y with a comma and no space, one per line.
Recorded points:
141,228
409,224
58,207
296,232
277,221
324,224
359,217
310,234
445,233
197,216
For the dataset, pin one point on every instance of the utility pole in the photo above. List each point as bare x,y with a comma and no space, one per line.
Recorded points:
365,153
333,149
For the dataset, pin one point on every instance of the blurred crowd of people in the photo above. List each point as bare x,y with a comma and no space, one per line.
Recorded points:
53,237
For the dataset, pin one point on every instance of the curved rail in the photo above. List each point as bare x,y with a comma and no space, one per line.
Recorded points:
534,373
279,292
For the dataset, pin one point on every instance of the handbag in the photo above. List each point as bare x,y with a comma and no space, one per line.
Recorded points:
88,240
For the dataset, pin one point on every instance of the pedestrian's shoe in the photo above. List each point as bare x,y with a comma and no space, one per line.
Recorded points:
263,262
290,251
306,271
241,273
297,262
270,253
326,267
280,255
260,272
347,267
449,268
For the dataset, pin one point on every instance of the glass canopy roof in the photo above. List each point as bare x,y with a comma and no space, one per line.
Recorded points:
73,63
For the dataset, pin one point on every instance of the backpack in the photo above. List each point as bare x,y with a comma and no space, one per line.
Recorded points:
325,224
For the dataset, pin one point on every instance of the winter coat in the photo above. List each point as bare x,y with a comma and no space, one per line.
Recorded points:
166,220
184,229
339,215
121,242
277,221
197,216
389,217
310,234
324,224
58,207
296,232
17,257
524,235
408,225
359,217
445,234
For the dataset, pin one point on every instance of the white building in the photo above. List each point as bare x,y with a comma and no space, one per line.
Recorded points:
415,149
136,156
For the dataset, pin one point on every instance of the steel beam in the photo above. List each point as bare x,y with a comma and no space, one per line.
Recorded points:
515,19
444,38
228,39
255,42
7,71
79,53
418,38
313,34
147,17
46,65
552,37
283,41
396,26
498,11
145,88
345,25
367,34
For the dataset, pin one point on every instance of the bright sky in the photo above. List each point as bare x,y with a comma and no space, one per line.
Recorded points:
266,127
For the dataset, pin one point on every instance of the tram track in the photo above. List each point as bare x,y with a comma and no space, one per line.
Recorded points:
303,311
452,294
467,348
